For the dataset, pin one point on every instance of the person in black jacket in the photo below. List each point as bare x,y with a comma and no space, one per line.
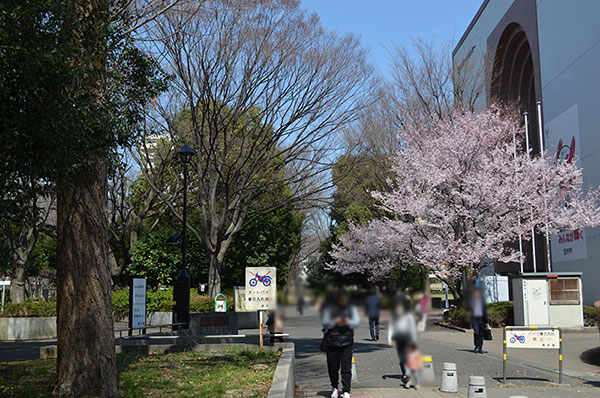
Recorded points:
372,306
340,318
479,319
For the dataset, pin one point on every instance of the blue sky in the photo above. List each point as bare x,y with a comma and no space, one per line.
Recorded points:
380,22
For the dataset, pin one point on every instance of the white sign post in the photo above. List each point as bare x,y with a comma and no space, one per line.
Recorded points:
4,284
261,292
540,337
137,304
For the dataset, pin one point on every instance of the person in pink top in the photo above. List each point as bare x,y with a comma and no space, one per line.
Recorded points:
414,364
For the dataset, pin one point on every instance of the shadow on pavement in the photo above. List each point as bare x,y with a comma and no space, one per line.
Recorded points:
592,383
306,347
499,379
21,350
591,356
385,377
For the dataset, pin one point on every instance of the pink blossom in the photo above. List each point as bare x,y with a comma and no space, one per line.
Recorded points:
459,195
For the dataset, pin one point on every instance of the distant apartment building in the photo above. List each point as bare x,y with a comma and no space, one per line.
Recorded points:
547,51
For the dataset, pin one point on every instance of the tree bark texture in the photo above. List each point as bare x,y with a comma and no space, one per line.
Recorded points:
86,362
17,285
86,346
214,275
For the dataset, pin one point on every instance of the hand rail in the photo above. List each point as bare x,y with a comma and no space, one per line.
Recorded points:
159,327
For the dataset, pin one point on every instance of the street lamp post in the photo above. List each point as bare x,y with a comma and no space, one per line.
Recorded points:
181,288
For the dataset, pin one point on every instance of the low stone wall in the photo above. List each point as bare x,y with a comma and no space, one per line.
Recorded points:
284,380
213,323
245,320
27,328
159,318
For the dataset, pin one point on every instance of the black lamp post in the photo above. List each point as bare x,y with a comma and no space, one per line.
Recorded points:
181,288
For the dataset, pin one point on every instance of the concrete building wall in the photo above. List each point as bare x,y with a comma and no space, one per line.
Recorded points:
474,43
569,50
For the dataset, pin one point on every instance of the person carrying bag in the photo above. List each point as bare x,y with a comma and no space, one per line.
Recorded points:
340,318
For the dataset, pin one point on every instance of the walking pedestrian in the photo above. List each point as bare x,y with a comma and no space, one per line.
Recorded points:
479,319
372,308
402,330
300,304
340,318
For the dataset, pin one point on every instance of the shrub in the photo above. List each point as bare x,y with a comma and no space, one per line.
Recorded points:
162,300
156,300
460,317
501,314
589,315
120,301
32,307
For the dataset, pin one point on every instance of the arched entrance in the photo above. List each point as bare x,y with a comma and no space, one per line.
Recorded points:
513,81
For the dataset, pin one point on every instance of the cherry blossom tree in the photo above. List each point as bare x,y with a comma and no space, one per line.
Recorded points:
462,188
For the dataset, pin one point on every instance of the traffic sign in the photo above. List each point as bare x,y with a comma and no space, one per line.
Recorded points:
261,288
536,338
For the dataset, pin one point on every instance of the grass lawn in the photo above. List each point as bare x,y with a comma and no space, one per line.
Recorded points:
185,374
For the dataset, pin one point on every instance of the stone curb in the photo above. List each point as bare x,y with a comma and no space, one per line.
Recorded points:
448,326
284,380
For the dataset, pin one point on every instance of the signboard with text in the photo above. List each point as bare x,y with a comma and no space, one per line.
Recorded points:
239,299
137,305
563,144
261,288
534,338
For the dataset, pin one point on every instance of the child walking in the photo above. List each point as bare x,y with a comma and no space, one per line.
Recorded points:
414,364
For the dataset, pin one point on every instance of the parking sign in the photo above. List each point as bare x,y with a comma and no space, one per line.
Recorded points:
261,288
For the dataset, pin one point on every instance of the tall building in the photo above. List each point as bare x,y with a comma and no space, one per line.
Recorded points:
547,52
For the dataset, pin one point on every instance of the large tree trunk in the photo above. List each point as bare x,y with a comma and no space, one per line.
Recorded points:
86,346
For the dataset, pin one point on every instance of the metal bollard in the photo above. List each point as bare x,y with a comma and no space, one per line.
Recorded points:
427,375
477,387
449,378
354,374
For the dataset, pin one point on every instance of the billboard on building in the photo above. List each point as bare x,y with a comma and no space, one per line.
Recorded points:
562,142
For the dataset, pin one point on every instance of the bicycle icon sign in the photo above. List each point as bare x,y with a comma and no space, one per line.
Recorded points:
261,288
265,279
516,337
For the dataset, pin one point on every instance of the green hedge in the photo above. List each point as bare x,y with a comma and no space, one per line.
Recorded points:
162,300
589,315
459,316
32,307
159,300
499,315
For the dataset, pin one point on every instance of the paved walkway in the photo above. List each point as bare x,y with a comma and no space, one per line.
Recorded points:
378,371
434,392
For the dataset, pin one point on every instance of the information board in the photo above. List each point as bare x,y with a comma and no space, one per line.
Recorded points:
239,299
542,338
261,288
138,303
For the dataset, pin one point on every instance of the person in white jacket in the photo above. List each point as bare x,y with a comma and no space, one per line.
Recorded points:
402,330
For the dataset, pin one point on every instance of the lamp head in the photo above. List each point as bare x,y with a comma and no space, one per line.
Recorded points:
186,153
